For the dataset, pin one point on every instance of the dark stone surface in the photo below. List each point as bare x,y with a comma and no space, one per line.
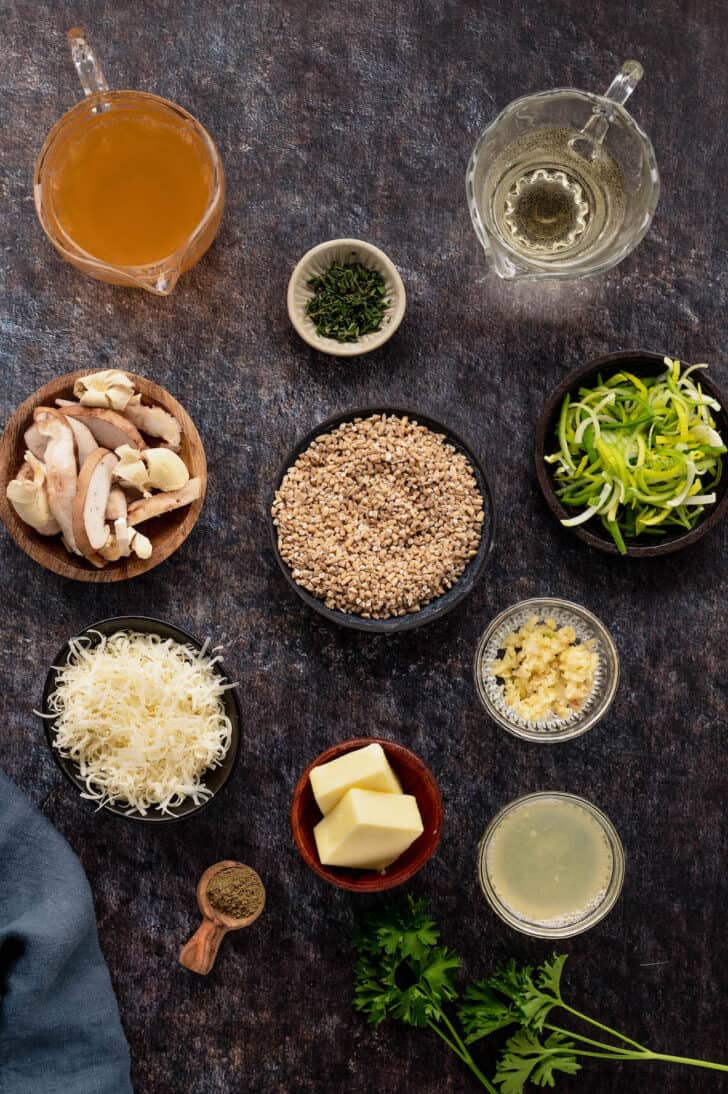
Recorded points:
359,119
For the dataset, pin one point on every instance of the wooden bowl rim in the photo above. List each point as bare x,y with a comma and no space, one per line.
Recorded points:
370,881
109,626
442,604
611,363
37,547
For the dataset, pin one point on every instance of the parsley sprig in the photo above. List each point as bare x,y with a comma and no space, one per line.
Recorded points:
403,972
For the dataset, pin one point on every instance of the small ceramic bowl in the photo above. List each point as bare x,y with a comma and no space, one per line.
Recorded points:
441,605
587,626
167,532
641,363
416,779
316,262
214,780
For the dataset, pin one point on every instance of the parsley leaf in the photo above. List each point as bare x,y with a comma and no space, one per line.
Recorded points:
484,1011
526,1058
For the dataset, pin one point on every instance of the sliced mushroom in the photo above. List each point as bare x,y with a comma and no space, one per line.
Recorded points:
166,470
116,505
92,497
35,442
84,438
140,545
154,421
125,540
131,469
146,508
28,495
122,534
60,464
109,428
109,388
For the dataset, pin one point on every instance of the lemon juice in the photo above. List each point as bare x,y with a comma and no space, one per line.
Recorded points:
549,863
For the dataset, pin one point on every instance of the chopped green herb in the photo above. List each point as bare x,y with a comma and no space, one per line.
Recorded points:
348,301
643,455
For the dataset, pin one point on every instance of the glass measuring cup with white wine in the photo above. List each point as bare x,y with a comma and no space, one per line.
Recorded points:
563,183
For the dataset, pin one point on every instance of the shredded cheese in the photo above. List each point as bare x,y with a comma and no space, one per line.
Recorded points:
143,718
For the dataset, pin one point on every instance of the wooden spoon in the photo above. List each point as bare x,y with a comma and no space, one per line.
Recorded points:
200,952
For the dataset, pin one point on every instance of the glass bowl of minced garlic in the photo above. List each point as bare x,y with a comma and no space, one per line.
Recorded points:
546,670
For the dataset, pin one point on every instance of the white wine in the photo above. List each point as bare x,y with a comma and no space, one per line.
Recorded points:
555,195
549,861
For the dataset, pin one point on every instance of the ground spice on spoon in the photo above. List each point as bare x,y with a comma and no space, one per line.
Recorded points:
236,891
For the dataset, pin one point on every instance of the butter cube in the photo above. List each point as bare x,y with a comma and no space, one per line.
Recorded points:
365,768
368,829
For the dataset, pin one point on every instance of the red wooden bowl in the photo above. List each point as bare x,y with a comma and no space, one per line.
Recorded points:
416,779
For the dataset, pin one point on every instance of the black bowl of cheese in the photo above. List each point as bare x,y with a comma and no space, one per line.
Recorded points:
142,718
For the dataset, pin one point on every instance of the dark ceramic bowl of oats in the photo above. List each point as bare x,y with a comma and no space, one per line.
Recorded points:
382,519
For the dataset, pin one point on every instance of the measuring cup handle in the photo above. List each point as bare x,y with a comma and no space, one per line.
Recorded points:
200,952
88,68
625,82
618,91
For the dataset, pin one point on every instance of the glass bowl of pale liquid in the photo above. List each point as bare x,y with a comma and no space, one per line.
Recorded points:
551,865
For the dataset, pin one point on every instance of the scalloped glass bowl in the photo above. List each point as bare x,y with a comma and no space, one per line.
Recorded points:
587,626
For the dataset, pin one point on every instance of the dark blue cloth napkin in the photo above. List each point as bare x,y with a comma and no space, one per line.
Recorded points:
60,1031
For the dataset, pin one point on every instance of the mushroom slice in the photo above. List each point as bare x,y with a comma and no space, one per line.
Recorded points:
35,441
125,541
122,534
28,496
60,464
92,497
85,441
146,508
131,469
154,421
166,470
140,545
109,428
117,504
109,388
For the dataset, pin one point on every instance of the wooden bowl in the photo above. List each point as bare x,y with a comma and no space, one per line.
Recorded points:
415,777
441,605
167,532
641,363
214,779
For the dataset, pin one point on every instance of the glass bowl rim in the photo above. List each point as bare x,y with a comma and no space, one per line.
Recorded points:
573,729
614,888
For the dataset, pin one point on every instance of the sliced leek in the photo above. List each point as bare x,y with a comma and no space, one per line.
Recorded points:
641,454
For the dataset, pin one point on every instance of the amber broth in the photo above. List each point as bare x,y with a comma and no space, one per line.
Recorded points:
131,185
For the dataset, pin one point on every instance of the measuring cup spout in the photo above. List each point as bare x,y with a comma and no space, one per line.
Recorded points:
163,281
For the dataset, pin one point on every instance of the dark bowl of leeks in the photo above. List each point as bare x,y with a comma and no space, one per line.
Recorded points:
631,454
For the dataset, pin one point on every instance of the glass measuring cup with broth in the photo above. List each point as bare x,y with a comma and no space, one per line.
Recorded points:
128,186
563,183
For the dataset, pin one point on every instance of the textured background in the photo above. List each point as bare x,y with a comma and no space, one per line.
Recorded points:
358,119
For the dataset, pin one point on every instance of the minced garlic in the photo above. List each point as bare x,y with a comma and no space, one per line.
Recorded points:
545,672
